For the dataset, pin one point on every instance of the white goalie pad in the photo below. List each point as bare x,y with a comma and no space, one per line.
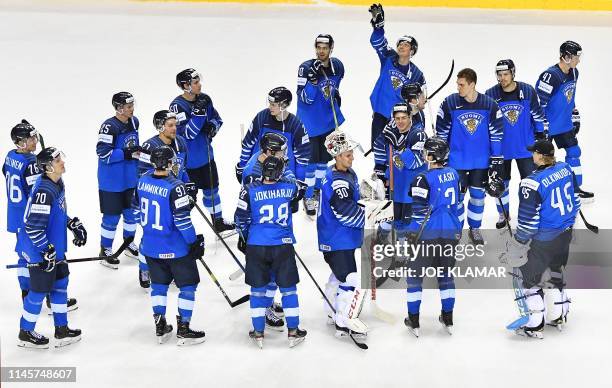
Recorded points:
377,211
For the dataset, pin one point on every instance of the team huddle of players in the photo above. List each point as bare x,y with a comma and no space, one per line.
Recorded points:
285,159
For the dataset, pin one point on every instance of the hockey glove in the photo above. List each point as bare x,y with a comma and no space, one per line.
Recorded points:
379,170
378,16
49,255
79,232
394,137
200,105
313,72
242,245
196,249
576,121
496,167
541,135
301,186
337,98
192,191
516,253
128,152
495,187
210,129
239,171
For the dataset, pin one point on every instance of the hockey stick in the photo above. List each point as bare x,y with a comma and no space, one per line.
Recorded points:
591,227
219,236
359,344
214,279
119,251
519,297
331,98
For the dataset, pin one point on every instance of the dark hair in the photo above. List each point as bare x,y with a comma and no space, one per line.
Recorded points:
468,74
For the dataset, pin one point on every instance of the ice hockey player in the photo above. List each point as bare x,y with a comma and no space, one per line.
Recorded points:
340,231
471,124
549,203
164,122
401,142
271,144
170,245
435,194
277,119
42,239
264,218
556,88
118,151
318,88
524,122
396,70
198,122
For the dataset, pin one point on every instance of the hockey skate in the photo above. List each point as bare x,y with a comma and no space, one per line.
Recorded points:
412,323
71,304
530,333
501,222
476,236
559,323
222,226
446,319
144,279
111,262
186,336
274,322
131,251
296,336
585,196
66,336
31,339
163,331
257,337
310,207
278,309
345,331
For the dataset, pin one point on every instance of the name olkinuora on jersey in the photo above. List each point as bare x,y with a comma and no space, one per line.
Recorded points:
298,144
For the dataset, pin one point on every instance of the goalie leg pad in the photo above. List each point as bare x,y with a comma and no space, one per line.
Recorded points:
349,304
331,292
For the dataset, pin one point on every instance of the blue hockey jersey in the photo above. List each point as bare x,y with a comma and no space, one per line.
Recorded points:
115,174
179,145
557,93
313,106
388,89
167,231
473,130
549,203
523,118
21,172
263,214
45,221
188,125
298,145
340,220
407,162
437,189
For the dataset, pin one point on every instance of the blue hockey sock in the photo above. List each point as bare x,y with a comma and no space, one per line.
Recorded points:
291,306
186,300
505,199
208,197
414,294
23,274
159,297
258,305
129,223
59,300
109,227
572,157
142,263
31,310
270,292
476,207
319,175
310,180
446,284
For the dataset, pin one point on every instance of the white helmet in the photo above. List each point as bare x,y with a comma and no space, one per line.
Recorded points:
338,142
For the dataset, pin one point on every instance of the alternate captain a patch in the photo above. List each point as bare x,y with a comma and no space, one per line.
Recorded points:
512,112
470,121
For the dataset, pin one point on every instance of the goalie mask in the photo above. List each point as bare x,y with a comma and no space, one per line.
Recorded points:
339,142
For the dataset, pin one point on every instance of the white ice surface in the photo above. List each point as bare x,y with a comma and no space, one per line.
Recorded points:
61,63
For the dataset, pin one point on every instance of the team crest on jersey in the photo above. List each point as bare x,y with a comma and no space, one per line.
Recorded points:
130,141
470,121
62,203
326,87
398,79
512,112
568,91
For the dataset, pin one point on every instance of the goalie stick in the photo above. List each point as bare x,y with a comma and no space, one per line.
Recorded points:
360,345
119,251
450,73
